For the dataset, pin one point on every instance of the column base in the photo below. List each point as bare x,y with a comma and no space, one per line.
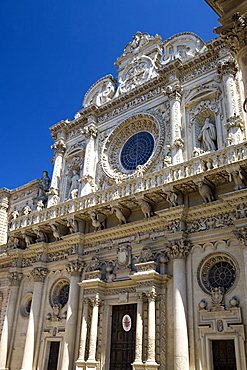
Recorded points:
138,366
86,365
152,365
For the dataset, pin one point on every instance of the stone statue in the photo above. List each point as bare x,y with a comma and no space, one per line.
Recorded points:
98,220
172,198
40,205
205,191
55,232
74,184
26,210
14,214
146,208
119,214
44,185
72,225
208,136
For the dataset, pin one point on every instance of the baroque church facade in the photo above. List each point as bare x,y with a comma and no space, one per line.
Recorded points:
133,255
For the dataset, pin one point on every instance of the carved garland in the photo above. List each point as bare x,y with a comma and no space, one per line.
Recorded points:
113,144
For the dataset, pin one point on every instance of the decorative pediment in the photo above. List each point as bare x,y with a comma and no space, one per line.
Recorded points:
142,44
101,92
183,46
141,70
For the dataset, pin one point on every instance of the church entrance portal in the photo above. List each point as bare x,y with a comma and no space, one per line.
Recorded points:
224,355
123,337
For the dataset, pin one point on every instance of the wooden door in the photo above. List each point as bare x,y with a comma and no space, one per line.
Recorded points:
123,337
224,355
53,355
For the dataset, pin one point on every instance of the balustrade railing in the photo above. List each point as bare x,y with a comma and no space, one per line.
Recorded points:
166,176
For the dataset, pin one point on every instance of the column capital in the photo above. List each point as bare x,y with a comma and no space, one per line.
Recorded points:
234,35
74,267
90,130
59,146
15,277
151,296
178,249
38,274
241,235
96,301
174,92
228,66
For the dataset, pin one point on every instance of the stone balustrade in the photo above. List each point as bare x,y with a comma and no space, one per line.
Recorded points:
205,164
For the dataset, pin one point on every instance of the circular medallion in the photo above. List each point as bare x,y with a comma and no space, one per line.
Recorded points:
126,322
137,150
217,271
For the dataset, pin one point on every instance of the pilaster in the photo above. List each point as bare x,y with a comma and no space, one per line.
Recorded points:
14,279
4,205
59,149
38,275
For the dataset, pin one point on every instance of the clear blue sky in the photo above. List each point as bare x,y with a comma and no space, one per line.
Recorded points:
52,51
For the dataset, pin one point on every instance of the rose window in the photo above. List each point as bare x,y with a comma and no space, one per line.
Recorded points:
60,293
216,271
137,150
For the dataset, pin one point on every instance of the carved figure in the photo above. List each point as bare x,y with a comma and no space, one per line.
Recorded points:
41,236
72,224
146,208
208,136
93,265
97,221
44,184
239,179
172,198
241,211
26,210
205,191
217,296
110,275
74,184
40,205
28,239
119,214
55,232
14,214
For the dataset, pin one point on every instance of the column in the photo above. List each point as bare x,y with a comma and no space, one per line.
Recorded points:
234,33
5,350
177,143
139,334
4,204
81,359
74,268
38,275
151,363
234,125
88,176
241,235
59,149
178,252
91,362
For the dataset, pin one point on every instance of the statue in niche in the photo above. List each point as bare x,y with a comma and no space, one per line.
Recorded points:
208,136
74,184
44,186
